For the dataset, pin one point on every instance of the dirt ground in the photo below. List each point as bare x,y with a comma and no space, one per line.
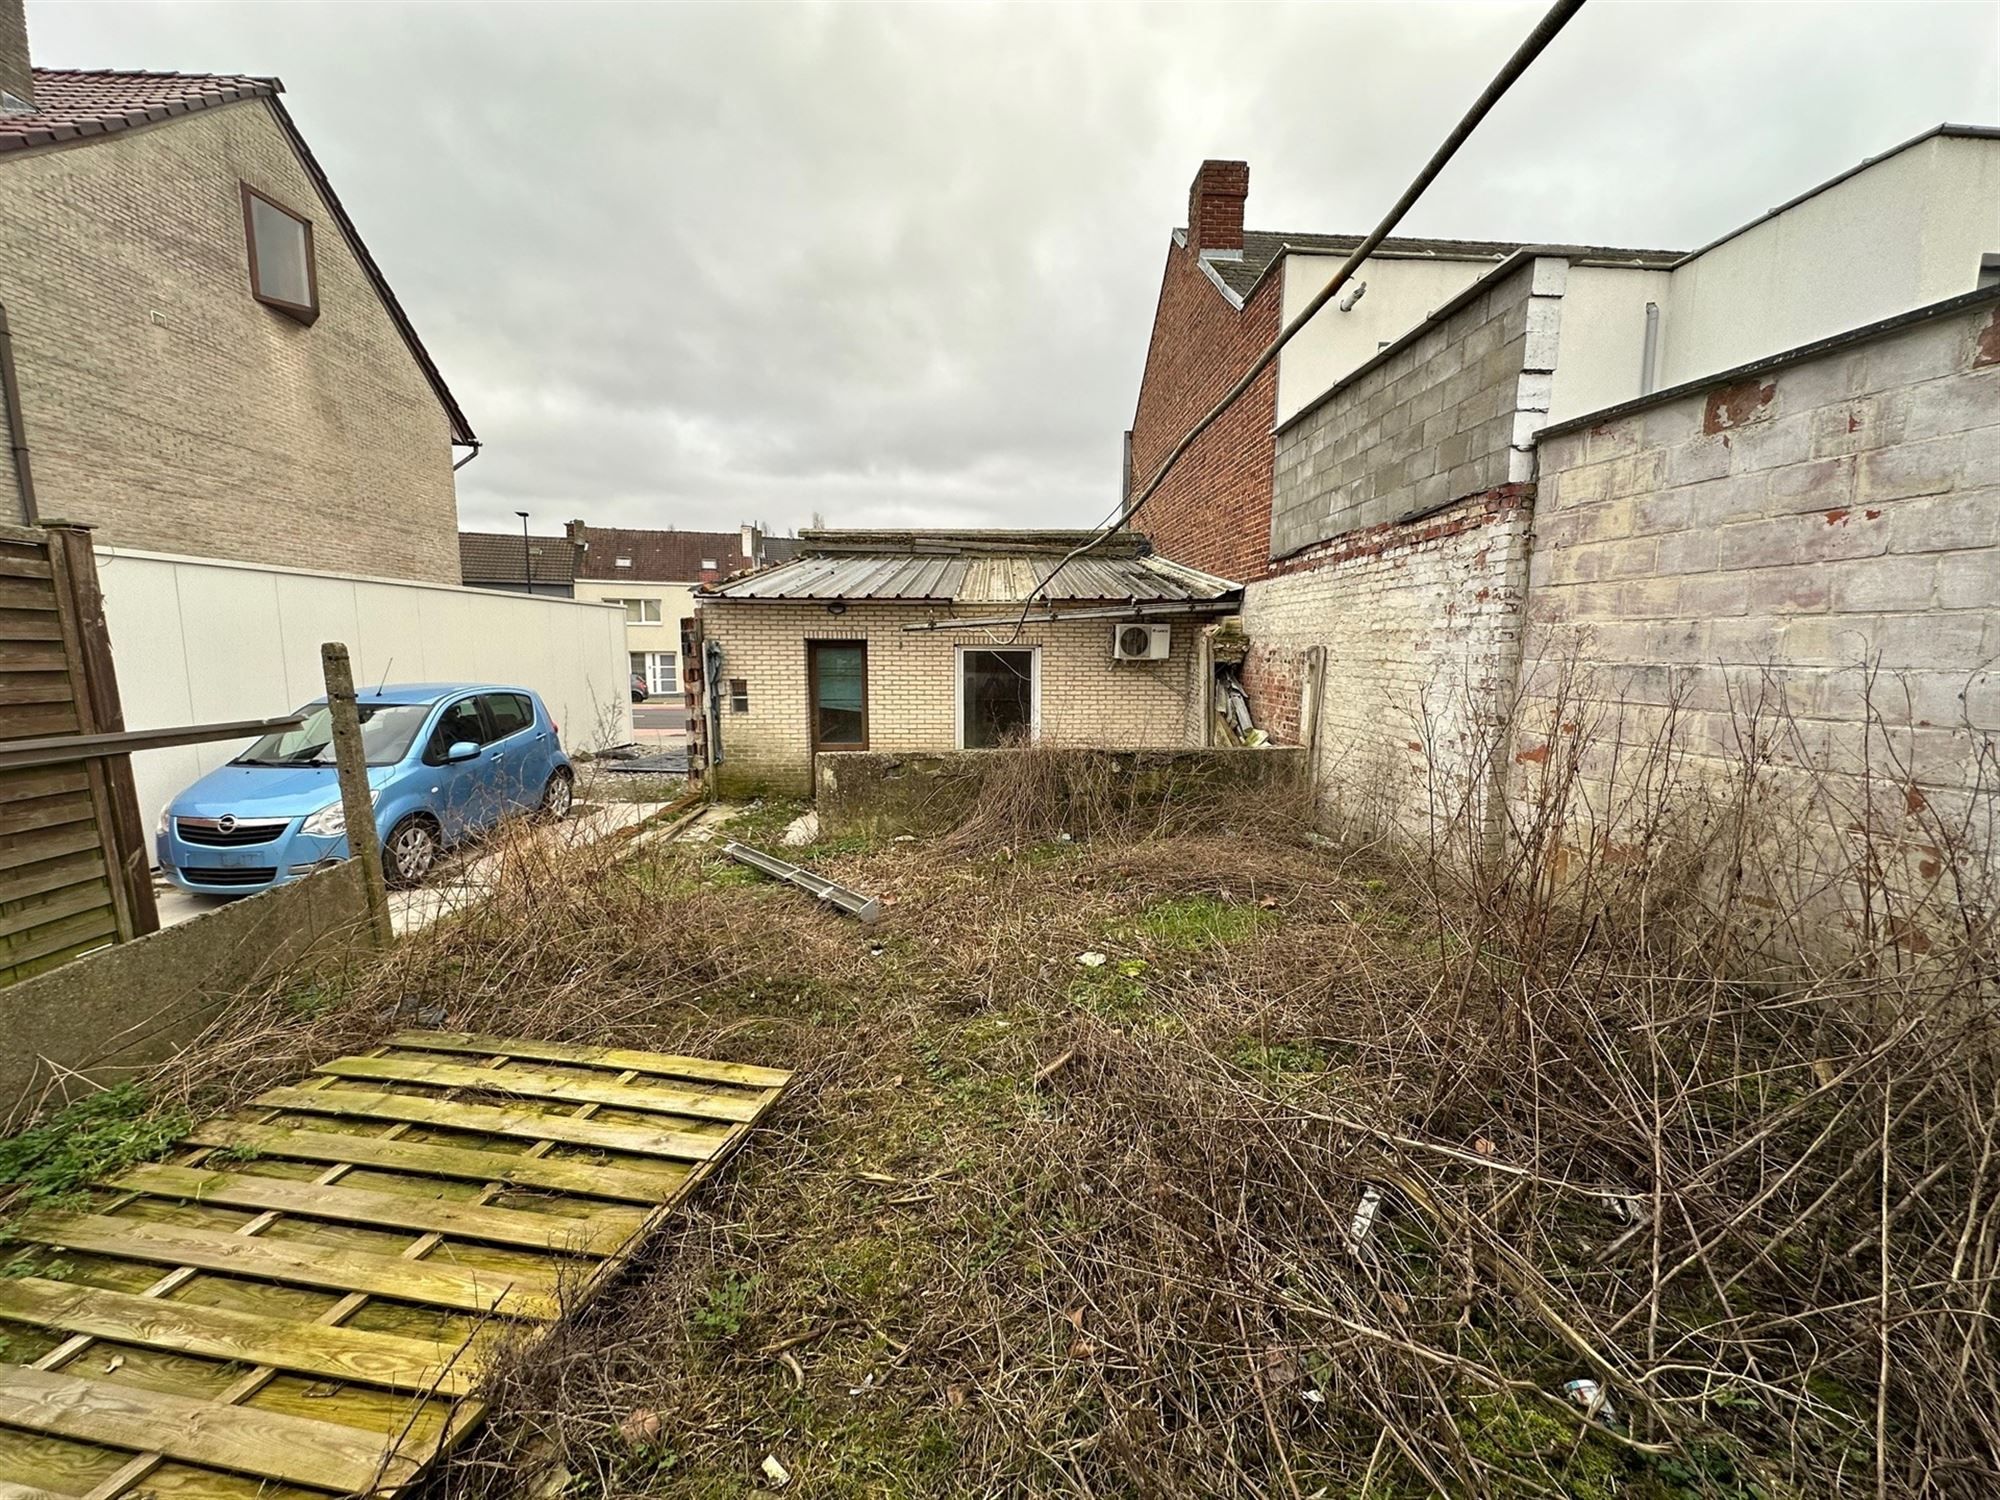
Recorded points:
1207,1159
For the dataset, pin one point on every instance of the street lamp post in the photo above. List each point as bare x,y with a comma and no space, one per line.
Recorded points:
527,558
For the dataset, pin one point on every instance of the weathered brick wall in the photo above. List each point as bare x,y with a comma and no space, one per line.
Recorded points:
1421,625
1452,412
1748,547
1086,697
1214,510
175,413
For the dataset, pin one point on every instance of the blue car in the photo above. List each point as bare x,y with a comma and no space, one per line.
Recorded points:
444,761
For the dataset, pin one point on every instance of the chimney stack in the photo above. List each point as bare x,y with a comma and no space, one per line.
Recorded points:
1215,206
17,77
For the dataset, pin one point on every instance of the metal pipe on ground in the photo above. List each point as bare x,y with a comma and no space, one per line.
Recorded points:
864,909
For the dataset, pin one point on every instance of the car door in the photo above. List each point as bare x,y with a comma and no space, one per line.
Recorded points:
457,787
516,765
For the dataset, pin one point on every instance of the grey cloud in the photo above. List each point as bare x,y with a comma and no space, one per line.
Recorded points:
696,264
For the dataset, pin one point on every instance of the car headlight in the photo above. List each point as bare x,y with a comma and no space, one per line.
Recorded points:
327,822
161,831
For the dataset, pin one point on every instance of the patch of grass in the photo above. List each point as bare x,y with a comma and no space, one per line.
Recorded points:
1191,923
1273,1060
725,1308
91,1138
1114,990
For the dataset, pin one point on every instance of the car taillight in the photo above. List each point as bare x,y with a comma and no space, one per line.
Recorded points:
555,728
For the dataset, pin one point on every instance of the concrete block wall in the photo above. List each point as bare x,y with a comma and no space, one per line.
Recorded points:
1087,699
176,414
1451,411
1421,623
1759,541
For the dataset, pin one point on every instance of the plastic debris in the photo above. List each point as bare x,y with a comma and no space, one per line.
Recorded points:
1592,1397
1092,959
641,1428
801,831
1364,1215
774,1471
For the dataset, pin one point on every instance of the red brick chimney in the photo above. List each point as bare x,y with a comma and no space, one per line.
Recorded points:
1215,206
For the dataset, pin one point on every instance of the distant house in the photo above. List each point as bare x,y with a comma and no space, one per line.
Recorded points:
654,574
906,641
517,564
198,354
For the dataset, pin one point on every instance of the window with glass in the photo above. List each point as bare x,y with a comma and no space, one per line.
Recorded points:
997,693
387,730
639,611
458,724
510,713
837,677
282,274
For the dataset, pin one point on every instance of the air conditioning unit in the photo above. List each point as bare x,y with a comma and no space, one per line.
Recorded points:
1141,642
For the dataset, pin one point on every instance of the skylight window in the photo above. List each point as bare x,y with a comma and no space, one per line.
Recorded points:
282,275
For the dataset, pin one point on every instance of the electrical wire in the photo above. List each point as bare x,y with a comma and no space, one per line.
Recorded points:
1532,46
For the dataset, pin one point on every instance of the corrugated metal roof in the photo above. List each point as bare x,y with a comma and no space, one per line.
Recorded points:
989,575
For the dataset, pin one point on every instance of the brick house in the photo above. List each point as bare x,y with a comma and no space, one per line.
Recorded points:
512,563
654,573
906,641
1378,490
198,354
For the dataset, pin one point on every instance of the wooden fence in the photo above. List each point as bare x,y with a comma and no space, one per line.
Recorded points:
74,866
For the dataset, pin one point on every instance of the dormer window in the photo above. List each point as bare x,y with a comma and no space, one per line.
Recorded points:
281,257
708,565
621,562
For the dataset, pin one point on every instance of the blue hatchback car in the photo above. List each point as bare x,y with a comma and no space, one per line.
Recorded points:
445,760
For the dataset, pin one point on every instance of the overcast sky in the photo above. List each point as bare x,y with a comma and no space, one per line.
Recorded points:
691,265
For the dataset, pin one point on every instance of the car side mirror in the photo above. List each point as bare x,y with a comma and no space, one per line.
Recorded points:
463,750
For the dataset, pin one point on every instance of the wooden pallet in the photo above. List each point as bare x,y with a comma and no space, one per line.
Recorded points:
300,1302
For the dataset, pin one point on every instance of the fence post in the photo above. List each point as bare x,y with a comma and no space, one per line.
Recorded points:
73,562
356,802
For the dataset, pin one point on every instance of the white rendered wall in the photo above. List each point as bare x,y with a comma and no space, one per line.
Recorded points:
1603,337
198,641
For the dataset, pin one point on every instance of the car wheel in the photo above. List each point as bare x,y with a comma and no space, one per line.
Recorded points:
558,795
411,852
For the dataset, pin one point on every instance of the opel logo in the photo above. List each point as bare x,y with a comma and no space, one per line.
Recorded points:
226,823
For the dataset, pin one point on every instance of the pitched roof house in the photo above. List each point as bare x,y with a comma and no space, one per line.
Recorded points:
906,641
198,353
517,564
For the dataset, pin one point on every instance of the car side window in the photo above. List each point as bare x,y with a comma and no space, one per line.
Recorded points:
509,713
459,722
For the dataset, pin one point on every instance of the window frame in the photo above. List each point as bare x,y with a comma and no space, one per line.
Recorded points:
494,734
434,752
306,314
812,693
658,606
958,692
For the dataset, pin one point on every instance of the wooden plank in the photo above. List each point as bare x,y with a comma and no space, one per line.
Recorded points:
600,1234
29,624
41,781
32,656
27,593
524,1124
48,937
26,848
245,1440
383,1359
23,562
41,718
614,1059
20,913
298,1263
28,814
532,1083
11,1491
34,687
53,874
586,1179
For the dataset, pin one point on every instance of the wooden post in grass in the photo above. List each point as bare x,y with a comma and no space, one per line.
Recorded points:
356,802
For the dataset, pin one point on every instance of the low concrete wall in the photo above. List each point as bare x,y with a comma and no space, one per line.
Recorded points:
124,1008
882,792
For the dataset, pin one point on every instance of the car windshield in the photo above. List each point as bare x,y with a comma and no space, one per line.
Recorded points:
386,732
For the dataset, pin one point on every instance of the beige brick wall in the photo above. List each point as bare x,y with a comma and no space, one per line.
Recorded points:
175,413
1421,626
1086,697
